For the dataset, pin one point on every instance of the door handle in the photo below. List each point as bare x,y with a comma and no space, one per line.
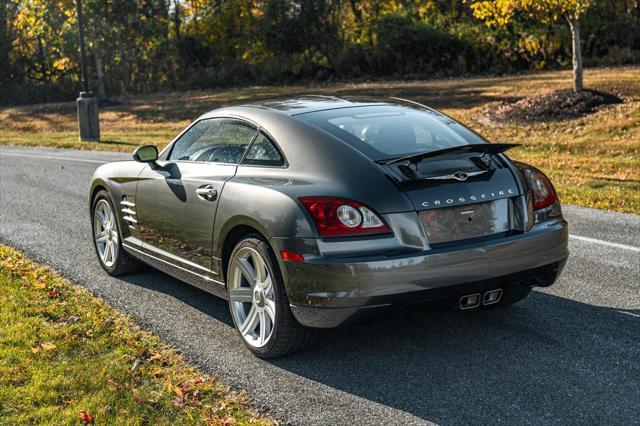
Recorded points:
207,192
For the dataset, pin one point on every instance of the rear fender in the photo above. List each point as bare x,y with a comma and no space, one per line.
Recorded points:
272,213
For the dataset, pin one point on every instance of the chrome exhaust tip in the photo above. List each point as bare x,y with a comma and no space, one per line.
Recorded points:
470,301
491,297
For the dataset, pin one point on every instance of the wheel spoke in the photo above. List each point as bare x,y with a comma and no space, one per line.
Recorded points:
240,294
107,252
270,309
250,322
267,286
112,251
259,267
101,217
265,325
248,272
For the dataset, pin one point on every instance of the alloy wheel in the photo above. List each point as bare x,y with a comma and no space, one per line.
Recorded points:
105,233
252,297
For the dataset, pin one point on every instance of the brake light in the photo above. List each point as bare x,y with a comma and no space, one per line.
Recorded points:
337,217
543,192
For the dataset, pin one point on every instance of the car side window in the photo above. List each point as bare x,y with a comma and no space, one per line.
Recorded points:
263,153
216,140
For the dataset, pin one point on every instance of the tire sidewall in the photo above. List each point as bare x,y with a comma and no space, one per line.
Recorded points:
280,295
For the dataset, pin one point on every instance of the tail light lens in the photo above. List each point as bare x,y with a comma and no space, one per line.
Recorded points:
543,192
337,217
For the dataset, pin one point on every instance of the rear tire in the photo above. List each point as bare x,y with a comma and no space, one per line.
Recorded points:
106,233
510,295
259,304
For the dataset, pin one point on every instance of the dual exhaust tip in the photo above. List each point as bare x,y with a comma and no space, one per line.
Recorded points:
474,300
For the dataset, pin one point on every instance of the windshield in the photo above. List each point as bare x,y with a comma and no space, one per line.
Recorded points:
390,131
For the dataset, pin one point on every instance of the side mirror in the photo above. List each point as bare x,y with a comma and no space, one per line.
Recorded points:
146,154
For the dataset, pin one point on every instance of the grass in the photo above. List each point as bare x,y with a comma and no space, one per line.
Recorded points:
594,161
68,358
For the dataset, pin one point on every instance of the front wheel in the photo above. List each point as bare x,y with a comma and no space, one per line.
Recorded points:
258,302
107,239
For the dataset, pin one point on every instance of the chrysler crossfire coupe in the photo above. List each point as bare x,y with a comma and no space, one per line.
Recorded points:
318,211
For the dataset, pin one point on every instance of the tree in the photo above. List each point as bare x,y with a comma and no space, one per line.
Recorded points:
501,12
8,11
41,28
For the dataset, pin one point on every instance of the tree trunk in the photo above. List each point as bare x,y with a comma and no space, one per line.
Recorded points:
102,92
577,53
5,42
176,18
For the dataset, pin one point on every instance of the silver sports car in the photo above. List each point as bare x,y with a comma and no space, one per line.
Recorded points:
319,211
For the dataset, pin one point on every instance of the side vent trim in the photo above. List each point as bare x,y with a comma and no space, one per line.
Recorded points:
129,211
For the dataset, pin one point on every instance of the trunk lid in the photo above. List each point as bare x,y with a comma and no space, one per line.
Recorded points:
461,196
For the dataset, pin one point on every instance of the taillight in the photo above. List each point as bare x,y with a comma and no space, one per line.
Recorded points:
337,217
543,192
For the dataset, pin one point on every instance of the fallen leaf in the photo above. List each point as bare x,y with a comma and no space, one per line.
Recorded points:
39,284
86,418
47,346
136,365
178,392
155,357
112,384
54,293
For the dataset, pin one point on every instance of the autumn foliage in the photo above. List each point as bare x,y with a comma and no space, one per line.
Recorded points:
149,45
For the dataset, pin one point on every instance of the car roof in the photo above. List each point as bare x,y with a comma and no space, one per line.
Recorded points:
314,103
311,103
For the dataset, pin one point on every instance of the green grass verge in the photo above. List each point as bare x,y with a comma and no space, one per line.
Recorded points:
68,358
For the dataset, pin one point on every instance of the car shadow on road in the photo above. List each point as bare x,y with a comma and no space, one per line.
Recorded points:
548,358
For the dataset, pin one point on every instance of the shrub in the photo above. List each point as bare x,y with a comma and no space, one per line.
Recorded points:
408,47
14,92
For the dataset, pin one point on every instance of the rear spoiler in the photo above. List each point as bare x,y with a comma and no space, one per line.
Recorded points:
488,148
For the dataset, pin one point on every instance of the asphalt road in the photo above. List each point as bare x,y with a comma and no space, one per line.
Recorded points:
567,354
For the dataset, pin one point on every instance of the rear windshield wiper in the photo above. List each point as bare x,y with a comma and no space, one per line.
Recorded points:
489,148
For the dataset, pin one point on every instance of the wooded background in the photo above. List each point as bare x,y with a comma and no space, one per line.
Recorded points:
138,46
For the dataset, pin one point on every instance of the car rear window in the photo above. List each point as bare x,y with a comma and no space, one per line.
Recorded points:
389,131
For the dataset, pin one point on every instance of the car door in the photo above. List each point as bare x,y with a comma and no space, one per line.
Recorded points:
177,197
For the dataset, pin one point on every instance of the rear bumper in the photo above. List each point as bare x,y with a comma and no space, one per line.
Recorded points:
329,292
